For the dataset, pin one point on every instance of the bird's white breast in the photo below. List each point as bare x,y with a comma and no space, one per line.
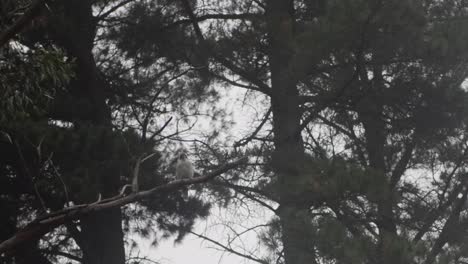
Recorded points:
184,169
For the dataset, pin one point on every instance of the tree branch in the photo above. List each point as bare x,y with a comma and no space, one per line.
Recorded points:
400,167
245,141
113,9
49,222
214,16
229,249
263,88
63,254
449,226
247,191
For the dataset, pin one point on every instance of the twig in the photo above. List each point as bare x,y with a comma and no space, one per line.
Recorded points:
229,249
245,141
29,174
57,174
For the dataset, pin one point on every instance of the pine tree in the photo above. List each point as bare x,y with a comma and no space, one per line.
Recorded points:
361,148
76,131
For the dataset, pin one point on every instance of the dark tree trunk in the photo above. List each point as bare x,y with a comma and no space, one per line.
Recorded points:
289,149
101,235
371,115
103,238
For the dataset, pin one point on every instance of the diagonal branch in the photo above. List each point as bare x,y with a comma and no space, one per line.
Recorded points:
230,249
261,88
449,226
245,141
250,192
62,254
402,164
161,129
434,214
45,224
341,129
327,101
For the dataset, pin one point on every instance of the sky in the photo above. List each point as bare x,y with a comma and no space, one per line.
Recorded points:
243,109
219,226
196,250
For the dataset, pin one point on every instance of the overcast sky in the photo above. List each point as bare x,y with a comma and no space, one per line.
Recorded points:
244,108
218,226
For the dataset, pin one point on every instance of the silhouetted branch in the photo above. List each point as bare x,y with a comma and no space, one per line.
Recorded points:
63,254
215,16
46,223
113,9
245,141
402,164
229,249
449,226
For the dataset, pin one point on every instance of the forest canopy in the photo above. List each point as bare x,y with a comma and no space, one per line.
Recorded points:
355,143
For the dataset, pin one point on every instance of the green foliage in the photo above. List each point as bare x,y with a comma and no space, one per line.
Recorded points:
29,81
382,81
53,87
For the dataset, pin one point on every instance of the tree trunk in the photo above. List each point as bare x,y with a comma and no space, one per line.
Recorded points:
103,238
371,115
74,29
289,149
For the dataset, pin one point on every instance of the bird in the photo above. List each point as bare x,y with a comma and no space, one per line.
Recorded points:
183,169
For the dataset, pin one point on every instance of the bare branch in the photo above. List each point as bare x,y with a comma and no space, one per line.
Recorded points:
59,176
49,222
261,86
229,249
161,129
245,141
113,9
63,254
340,129
263,89
248,192
402,164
